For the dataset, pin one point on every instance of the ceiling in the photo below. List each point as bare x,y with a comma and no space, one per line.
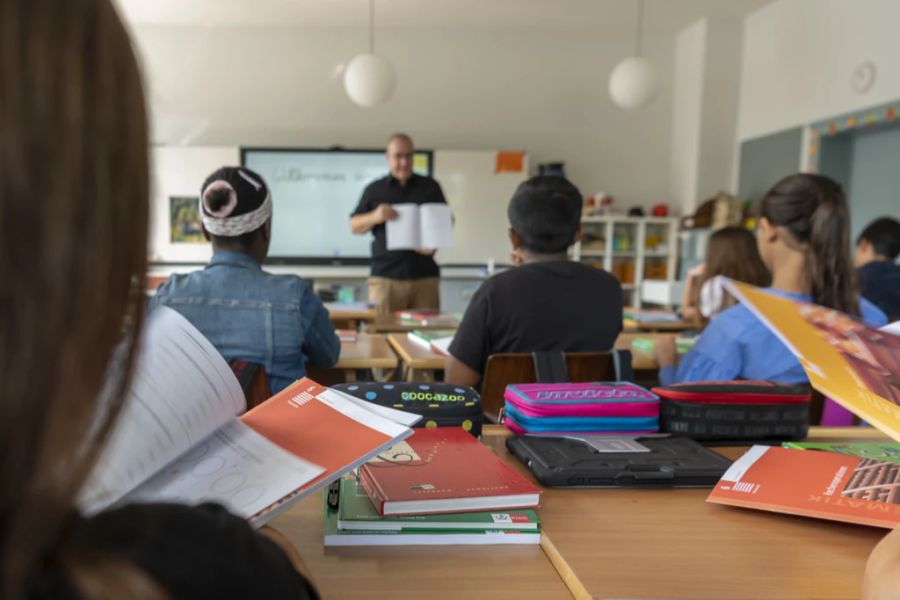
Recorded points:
602,16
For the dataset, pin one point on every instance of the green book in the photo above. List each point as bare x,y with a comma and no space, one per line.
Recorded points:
419,537
881,451
356,512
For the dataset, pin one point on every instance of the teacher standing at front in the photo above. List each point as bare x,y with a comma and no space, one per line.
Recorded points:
400,279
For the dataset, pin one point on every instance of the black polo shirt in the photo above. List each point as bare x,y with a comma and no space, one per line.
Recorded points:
399,264
542,306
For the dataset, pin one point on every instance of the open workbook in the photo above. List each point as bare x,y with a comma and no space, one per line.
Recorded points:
179,437
855,365
427,225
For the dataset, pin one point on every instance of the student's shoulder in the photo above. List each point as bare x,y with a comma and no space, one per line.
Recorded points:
288,281
736,323
871,314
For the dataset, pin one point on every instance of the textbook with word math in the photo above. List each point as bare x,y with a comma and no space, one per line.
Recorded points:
443,470
181,437
826,485
427,225
855,365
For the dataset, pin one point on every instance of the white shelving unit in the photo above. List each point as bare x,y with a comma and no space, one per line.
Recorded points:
634,249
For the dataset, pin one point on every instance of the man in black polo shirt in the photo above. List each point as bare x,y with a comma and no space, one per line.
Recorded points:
548,302
400,279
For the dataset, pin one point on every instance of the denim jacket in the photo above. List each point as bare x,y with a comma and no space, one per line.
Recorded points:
274,320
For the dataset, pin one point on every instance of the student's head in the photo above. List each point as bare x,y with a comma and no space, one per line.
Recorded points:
73,224
880,240
545,215
732,252
400,156
236,210
804,226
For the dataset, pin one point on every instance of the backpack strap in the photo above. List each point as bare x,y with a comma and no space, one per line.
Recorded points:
622,364
550,367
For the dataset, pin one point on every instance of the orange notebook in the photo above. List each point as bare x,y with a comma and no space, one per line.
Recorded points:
826,485
180,439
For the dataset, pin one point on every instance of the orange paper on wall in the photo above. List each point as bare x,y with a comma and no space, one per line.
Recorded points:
510,161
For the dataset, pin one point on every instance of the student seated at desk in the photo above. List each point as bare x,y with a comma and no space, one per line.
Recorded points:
276,321
804,239
75,243
731,252
546,303
877,249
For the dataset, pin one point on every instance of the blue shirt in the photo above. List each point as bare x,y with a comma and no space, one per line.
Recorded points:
276,321
737,345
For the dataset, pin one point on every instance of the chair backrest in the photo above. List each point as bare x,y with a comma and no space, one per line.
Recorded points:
253,380
507,368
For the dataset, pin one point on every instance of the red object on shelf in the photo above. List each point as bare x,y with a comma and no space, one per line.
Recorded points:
661,210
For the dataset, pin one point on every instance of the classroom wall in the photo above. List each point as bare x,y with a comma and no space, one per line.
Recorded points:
799,58
468,90
704,110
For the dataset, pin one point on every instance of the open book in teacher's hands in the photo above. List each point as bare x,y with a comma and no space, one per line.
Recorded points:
420,226
179,437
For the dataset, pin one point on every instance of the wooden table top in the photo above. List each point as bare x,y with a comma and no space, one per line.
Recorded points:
626,543
344,312
640,358
391,323
412,572
415,355
369,351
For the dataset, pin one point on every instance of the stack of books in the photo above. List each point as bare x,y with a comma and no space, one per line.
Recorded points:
858,367
439,487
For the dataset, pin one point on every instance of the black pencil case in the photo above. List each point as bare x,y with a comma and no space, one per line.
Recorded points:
440,404
735,410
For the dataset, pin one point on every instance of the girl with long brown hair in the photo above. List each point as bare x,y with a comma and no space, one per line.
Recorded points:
804,238
73,224
731,252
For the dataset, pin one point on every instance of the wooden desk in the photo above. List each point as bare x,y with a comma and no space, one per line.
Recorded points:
349,316
670,543
393,324
417,571
419,363
641,360
370,352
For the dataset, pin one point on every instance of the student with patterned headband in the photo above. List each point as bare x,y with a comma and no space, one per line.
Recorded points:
274,320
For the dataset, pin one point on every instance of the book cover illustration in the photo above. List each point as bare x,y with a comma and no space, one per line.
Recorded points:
855,365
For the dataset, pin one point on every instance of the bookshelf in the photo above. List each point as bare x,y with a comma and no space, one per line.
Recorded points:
634,249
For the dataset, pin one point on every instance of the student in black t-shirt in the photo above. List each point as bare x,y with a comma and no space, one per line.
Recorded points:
74,208
546,303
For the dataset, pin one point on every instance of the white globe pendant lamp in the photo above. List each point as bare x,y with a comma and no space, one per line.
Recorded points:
634,83
369,79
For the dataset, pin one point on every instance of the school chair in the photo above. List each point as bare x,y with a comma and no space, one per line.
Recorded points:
253,380
523,367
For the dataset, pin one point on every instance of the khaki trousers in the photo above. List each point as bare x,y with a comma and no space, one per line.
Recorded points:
400,294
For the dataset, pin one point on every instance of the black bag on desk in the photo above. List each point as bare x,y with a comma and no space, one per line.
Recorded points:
734,411
440,404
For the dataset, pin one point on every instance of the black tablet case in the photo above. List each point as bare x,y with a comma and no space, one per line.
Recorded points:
671,462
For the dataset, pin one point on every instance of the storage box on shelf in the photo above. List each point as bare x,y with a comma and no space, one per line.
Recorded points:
634,249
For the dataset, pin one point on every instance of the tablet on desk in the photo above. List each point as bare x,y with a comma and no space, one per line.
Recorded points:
581,461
